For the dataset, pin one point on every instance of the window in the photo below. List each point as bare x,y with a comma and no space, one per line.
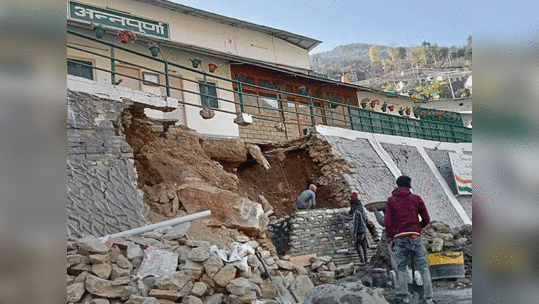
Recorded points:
335,98
80,68
208,89
245,79
266,84
150,78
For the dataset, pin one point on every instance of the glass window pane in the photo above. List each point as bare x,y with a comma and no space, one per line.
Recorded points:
266,84
208,89
80,68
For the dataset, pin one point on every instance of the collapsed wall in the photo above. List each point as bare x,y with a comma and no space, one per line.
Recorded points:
102,194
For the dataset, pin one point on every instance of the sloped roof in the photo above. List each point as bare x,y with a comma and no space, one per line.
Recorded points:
298,40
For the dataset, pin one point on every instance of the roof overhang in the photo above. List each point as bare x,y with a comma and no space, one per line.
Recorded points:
298,40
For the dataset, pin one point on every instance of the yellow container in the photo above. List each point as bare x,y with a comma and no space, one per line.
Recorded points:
441,258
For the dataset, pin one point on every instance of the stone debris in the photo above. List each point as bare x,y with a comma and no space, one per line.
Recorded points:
110,272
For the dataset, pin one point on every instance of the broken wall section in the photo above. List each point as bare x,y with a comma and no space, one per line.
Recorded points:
102,194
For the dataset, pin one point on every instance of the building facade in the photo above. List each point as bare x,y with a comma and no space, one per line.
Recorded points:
224,64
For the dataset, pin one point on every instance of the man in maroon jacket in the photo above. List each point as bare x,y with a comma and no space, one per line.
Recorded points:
404,232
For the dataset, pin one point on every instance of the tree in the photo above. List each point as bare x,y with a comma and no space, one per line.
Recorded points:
402,52
434,90
394,54
444,53
426,46
374,54
416,55
469,48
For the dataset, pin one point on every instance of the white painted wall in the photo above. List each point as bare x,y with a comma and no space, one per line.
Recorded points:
213,35
222,124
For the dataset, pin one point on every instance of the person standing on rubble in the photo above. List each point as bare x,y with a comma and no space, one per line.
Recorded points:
359,234
404,232
307,198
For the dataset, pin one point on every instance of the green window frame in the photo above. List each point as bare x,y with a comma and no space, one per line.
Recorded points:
80,68
208,95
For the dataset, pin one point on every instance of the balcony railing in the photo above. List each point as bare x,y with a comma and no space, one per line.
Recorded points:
321,111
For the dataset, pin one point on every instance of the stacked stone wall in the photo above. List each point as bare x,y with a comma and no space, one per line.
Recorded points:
326,232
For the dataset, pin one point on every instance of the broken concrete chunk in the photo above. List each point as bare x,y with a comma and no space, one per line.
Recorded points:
199,289
117,272
178,231
75,292
92,245
191,300
202,244
104,288
134,251
193,269
239,286
121,281
186,289
170,295
212,265
134,299
99,258
437,245
247,298
300,287
176,281
285,265
199,254
123,262
256,153
217,298
75,259
225,275
102,270
99,301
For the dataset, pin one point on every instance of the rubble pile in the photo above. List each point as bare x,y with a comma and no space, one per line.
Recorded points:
438,236
333,169
347,290
164,266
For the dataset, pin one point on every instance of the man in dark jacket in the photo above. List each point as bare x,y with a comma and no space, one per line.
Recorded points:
404,231
359,234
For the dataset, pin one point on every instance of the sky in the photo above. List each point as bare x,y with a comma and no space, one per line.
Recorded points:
339,22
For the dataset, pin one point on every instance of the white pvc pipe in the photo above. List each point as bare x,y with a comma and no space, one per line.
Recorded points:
172,222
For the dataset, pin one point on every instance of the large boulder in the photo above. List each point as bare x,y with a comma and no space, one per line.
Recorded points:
347,292
227,150
300,287
227,208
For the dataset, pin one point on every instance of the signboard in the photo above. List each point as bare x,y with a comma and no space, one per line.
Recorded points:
462,172
107,17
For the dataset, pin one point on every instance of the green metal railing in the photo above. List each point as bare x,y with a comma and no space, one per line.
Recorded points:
352,117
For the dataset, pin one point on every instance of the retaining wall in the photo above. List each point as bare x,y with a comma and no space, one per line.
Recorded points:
102,194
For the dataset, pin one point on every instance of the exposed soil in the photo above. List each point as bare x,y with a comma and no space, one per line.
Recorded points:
167,157
172,155
282,183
